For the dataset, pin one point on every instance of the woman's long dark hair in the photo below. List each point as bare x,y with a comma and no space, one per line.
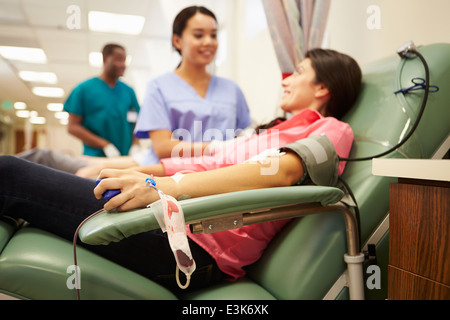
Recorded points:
341,75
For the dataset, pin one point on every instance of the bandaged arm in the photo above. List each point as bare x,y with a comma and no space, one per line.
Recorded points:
295,167
240,177
308,160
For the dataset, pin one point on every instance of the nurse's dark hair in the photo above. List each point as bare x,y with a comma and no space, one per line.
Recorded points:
109,48
340,74
181,20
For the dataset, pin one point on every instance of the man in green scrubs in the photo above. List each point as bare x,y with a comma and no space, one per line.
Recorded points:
103,109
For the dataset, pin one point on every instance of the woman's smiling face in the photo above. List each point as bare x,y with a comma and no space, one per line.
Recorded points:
300,89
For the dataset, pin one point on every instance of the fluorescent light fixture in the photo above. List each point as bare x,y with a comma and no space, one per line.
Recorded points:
33,116
23,113
48,92
64,122
20,105
61,115
96,59
44,77
115,23
31,55
55,107
38,120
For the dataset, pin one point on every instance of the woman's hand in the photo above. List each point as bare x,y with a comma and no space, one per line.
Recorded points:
89,172
134,192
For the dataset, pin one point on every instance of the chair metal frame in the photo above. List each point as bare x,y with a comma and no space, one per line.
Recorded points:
354,257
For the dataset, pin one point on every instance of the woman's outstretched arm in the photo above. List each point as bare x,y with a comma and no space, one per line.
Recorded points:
276,172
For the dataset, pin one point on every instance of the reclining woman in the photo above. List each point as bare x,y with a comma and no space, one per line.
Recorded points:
323,88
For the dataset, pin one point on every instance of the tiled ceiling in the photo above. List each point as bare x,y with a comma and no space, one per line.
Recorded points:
43,24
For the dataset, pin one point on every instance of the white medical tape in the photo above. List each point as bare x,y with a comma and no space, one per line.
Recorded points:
263,156
177,177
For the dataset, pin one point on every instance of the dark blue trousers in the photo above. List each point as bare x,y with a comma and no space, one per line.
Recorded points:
58,202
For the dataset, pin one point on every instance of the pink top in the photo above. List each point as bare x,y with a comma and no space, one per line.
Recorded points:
235,249
306,123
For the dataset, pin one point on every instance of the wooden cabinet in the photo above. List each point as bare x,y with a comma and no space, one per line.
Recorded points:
419,228
419,240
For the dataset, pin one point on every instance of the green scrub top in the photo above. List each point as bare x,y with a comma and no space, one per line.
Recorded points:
107,112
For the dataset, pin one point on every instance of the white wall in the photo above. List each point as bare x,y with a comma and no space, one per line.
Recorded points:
424,22
57,138
251,59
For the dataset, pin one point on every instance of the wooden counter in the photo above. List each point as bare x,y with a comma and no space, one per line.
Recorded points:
419,237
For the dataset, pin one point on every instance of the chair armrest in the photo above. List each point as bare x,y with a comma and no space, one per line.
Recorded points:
113,227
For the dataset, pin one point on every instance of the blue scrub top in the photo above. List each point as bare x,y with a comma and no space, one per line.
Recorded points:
105,112
172,104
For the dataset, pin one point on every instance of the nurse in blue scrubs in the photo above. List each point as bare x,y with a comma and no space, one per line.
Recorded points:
190,104
100,108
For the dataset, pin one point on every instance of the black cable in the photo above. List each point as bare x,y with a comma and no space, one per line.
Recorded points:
407,137
74,245
419,117
357,215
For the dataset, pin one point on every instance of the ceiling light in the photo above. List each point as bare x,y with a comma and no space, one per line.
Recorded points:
55,107
20,105
38,120
44,77
115,23
96,59
62,115
33,114
48,92
23,113
31,55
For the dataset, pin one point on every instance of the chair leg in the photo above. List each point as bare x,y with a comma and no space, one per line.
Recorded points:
354,258
355,276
